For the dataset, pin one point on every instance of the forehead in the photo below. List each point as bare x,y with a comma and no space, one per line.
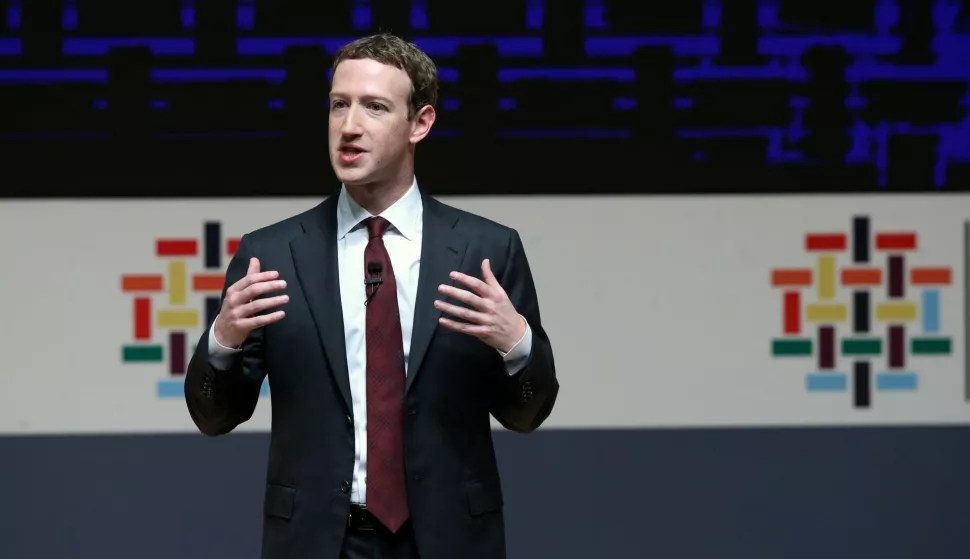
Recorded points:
366,77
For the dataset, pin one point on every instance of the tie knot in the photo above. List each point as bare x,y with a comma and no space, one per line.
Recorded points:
376,226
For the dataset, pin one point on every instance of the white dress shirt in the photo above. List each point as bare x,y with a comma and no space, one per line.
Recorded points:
403,243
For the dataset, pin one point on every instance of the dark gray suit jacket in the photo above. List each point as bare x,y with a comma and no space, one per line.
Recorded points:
455,382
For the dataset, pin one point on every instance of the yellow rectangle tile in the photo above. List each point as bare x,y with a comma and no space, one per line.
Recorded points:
187,318
826,312
177,282
826,277
896,312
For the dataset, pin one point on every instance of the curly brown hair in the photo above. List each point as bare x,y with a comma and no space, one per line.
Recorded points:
399,53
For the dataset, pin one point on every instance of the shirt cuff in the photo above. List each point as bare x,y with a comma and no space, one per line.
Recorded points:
518,357
220,356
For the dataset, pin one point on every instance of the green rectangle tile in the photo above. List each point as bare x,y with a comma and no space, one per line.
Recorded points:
142,354
781,348
861,346
930,346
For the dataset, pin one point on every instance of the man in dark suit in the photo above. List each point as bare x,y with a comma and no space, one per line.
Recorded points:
391,327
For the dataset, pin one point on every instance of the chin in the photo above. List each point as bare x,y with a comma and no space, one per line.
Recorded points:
353,177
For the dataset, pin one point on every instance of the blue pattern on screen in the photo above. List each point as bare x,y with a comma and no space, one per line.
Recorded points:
781,35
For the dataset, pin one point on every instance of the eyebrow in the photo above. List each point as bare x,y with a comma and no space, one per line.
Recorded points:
363,97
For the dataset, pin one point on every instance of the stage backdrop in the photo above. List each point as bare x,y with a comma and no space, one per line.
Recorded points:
663,312
686,331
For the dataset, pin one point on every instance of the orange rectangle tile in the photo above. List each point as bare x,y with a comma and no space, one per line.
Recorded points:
931,276
208,282
791,278
861,276
141,283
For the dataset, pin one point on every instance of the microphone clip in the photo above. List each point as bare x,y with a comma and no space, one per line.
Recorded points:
374,281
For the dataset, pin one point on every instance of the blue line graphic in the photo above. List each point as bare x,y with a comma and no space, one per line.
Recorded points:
826,382
896,382
160,46
931,311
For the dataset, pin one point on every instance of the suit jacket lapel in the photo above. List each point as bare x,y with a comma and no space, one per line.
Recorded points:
315,259
442,250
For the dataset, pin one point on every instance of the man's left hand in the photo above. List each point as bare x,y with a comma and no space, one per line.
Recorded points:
491,318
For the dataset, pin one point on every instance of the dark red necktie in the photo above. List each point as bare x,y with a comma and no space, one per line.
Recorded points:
386,492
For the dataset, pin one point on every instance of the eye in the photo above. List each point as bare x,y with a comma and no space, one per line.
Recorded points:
376,107
336,104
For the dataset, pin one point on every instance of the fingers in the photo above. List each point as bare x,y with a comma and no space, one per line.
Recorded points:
261,320
243,297
250,279
261,288
464,328
475,284
463,313
487,274
464,296
260,305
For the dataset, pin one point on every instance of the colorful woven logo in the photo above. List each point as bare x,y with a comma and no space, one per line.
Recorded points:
161,310
892,314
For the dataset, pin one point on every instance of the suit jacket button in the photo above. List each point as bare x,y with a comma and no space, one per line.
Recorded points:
350,420
345,487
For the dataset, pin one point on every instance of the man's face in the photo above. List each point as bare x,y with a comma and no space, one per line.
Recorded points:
370,134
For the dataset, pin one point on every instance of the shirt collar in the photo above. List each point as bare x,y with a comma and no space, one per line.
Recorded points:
405,215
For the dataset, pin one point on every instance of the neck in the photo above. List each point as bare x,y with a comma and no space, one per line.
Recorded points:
375,198
378,196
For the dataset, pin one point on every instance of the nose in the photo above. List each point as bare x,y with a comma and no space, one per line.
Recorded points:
351,122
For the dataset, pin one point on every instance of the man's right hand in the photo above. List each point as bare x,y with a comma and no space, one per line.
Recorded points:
236,316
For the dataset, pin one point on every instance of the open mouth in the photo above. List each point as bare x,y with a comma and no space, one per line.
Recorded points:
349,154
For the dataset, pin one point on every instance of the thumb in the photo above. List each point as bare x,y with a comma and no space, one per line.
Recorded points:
487,274
253,265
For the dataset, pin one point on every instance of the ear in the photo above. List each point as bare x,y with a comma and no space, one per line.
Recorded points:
422,123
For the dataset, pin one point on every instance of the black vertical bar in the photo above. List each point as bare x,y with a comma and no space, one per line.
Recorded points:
860,312
860,240
211,309
896,277
176,355
213,244
897,346
863,384
826,347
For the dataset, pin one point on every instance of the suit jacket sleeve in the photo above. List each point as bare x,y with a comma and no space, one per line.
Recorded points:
526,398
221,399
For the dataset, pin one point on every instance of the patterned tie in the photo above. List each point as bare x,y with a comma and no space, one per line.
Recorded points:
386,492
